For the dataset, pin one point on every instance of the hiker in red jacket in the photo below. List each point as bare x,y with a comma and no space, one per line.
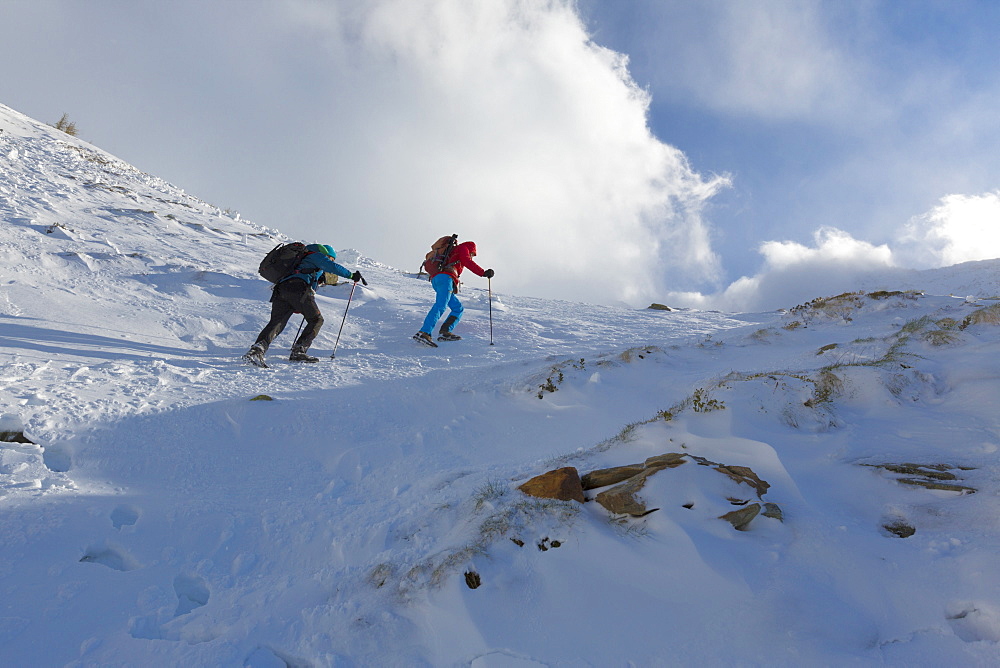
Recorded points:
445,280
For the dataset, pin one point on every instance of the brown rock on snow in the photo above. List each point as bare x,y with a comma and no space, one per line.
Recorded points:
611,476
669,460
563,484
742,474
621,499
742,517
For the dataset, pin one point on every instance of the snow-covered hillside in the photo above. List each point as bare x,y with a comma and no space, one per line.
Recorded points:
162,516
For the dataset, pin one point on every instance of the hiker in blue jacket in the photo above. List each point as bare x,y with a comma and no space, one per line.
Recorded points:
296,293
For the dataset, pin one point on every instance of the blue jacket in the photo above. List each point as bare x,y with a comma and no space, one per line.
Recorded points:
313,265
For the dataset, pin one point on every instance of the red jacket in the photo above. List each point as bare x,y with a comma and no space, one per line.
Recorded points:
460,258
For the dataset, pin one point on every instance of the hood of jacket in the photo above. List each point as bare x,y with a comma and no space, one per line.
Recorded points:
469,246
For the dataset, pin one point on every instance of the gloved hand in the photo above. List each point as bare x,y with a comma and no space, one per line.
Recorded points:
488,273
356,276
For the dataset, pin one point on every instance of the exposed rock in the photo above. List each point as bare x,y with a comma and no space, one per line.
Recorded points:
621,499
899,528
617,474
669,460
742,517
562,484
611,476
943,486
928,476
545,543
773,511
15,437
743,474
12,429
472,579
936,471
659,307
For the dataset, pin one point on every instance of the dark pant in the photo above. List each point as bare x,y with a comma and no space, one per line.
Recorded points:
288,297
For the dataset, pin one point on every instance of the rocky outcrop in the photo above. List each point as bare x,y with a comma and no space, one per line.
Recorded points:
742,517
929,476
773,511
611,476
744,475
665,461
562,484
622,499
624,483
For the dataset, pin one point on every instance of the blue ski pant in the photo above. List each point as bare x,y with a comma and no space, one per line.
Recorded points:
445,298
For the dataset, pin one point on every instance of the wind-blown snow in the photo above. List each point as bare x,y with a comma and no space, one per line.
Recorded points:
163,517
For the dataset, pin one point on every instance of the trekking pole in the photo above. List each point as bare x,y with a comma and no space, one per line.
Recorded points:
489,288
334,354
299,331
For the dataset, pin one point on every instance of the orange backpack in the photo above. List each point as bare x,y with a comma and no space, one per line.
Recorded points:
436,261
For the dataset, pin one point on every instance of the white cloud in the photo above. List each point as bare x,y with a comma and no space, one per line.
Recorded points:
504,123
960,229
794,273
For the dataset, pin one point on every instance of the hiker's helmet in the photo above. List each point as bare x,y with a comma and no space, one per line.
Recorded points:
324,249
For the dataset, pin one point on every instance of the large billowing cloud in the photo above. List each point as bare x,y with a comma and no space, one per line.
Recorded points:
960,229
384,124
503,122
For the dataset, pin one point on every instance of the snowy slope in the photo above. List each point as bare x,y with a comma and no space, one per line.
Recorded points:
161,517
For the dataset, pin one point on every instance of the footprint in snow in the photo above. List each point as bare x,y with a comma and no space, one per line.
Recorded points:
975,622
57,459
192,593
111,556
124,516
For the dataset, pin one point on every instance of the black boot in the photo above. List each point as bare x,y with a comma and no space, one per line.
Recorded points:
255,356
444,334
299,355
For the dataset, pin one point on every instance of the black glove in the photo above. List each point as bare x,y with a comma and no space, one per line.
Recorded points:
488,273
356,276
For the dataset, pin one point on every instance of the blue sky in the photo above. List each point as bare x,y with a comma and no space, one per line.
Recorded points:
859,115
690,152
